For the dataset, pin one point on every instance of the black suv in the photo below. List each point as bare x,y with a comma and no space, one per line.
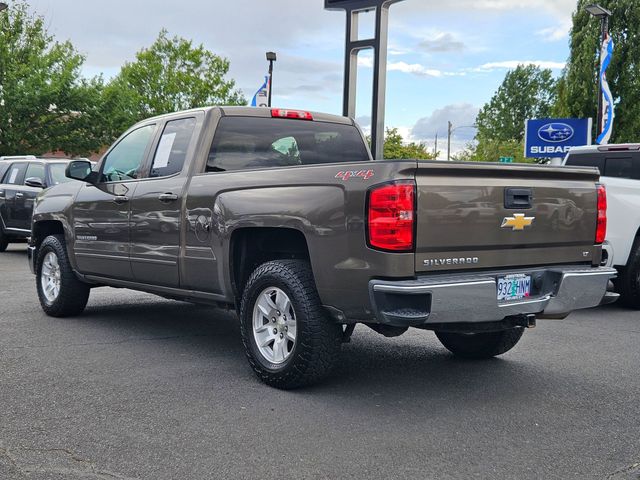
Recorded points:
21,179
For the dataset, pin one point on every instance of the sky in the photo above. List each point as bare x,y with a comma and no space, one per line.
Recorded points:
446,58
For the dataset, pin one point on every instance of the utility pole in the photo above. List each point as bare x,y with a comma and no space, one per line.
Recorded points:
271,57
449,132
435,149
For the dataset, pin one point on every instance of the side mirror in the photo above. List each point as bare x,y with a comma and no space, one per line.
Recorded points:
35,182
79,170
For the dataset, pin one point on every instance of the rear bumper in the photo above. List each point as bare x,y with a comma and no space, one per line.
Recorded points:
464,298
31,258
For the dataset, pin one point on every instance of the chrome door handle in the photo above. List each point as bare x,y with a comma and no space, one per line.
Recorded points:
168,197
120,199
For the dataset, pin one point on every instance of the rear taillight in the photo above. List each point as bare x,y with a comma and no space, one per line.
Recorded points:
294,114
601,228
391,216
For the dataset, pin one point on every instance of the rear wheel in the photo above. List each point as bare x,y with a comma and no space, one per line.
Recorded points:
628,282
288,338
480,345
60,292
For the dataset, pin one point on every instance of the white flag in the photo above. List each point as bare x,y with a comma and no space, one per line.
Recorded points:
261,98
606,129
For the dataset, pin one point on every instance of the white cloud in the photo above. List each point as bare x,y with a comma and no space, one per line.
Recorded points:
404,67
461,115
414,68
511,64
442,42
555,33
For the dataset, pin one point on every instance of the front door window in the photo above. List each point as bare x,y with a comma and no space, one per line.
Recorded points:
125,160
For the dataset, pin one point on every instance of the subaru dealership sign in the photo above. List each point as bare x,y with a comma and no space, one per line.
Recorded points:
553,137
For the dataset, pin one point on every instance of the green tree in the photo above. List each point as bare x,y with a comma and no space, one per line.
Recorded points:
172,74
526,92
44,103
579,93
396,148
492,150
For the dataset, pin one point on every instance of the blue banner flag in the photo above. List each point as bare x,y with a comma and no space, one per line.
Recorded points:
261,98
606,129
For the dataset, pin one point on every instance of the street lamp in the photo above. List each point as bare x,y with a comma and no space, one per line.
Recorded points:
597,11
3,6
450,131
603,14
271,57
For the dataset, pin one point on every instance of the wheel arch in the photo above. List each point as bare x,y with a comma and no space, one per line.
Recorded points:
43,228
252,246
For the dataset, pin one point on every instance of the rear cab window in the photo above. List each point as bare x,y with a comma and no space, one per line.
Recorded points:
611,164
242,143
586,160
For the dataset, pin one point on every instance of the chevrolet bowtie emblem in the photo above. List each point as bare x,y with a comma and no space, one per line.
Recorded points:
517,222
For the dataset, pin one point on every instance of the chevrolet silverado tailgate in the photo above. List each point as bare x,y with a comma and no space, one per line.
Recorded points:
479,216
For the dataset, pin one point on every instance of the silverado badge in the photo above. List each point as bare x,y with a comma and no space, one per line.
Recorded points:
518,222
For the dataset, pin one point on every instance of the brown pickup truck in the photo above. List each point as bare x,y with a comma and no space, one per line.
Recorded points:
284,216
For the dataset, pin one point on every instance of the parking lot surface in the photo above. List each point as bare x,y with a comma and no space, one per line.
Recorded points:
141,387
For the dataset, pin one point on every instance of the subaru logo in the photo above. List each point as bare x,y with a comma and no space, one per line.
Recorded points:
556,132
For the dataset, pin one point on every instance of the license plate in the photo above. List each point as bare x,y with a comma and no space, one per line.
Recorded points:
514,287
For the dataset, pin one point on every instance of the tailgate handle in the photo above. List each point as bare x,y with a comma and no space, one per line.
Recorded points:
517,198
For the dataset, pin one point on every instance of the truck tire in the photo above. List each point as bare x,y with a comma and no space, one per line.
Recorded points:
628,282
480,345
4,240
60,292
288,338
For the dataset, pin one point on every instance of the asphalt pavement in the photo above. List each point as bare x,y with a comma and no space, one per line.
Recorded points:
144,388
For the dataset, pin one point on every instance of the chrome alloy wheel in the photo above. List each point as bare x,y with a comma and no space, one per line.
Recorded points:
50,277
274,325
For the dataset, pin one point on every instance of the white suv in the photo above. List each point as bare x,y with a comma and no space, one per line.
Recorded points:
620,169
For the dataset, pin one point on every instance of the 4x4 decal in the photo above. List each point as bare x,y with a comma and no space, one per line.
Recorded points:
363,174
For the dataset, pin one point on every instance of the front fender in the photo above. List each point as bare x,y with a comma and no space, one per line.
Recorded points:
55,205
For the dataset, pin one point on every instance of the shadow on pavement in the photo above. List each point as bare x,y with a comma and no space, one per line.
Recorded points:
412,366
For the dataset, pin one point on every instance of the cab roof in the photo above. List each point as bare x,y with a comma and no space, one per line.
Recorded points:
620,147
264,112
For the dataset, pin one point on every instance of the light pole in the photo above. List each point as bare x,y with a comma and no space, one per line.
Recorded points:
271,57
450,132
603,14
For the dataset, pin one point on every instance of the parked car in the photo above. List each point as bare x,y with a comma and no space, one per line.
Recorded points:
21,180
284,216
619,166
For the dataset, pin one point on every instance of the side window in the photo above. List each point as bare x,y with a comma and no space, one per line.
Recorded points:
3,169
15,174
620,167
35,170
57,174
172,148
126,158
